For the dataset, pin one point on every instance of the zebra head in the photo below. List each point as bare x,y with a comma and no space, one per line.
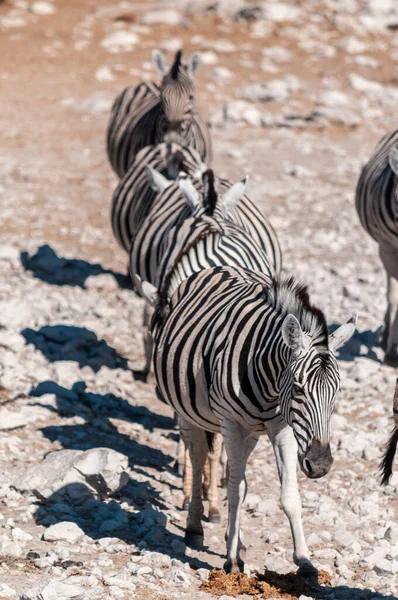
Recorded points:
212,204
176,94
309,384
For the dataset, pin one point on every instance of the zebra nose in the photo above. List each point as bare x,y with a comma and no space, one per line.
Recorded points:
318,460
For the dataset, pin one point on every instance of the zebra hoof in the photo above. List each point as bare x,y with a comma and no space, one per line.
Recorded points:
234,566
224,483
306,569
141,376
214,515
194,540
185,504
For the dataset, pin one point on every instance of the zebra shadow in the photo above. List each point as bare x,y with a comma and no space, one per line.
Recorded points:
98,519
57,270
78,344
88,405
361,344
98,430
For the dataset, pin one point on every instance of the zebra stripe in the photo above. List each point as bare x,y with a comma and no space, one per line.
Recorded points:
377,206
133,198
147,114
376,200
170,209
391,446
243,354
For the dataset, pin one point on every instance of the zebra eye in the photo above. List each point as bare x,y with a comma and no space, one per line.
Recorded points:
297,389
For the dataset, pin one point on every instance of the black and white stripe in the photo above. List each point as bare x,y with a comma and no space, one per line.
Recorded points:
149,114
391,447
243,354
377,207
149,246
134,198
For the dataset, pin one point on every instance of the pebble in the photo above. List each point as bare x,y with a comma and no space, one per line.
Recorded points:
164,17
42,8
120,41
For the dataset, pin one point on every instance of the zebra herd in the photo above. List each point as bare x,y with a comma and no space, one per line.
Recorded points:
238,351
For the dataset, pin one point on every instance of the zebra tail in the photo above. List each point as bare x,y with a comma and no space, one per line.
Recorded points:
388,458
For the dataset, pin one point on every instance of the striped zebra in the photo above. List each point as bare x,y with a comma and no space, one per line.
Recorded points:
244,355
150,114
134,198
207,239
377,207
388,458
170,208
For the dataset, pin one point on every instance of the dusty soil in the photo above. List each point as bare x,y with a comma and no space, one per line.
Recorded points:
55,190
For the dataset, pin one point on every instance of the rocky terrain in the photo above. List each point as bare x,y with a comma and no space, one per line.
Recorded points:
298,94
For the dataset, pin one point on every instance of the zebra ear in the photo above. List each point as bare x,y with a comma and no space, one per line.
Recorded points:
235,193
342,334
393,160
194,62
189,191
156,180
159,61
293,335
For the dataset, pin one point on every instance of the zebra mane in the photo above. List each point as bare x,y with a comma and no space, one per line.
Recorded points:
291,297
211,196
175,69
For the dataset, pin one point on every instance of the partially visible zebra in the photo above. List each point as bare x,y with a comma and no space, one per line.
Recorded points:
388,458
377,206
170,208
207,239
148,114
134,197
244,355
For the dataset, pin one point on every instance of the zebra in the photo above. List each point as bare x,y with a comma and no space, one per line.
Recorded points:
134,198
206,239
376,204
149,114
388,458
242,354
170,208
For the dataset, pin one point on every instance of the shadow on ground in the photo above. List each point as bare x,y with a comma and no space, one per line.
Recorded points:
98,430
355,346
79,344
99,519
56,270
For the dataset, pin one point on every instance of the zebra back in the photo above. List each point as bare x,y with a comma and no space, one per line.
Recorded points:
149,114
134,198
207,239
149,245
376,194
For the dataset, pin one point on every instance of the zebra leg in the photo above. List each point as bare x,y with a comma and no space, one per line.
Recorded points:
239,447
224,467
212,487
148,340
187,481
389,258
198,449
285,448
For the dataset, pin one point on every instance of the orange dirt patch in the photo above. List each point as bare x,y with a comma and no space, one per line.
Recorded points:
268,585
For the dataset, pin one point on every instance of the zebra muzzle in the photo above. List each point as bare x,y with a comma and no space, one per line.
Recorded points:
318,460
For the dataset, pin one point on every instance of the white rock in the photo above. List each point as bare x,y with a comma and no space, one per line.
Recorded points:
6,591
210,58
392,534
104,74
95,104
53,590
18,535
120,41
222,73
42,8
71,472
165,17
386,567
11,549
333,98
66,531
352,45
361,84
277,11
11,420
